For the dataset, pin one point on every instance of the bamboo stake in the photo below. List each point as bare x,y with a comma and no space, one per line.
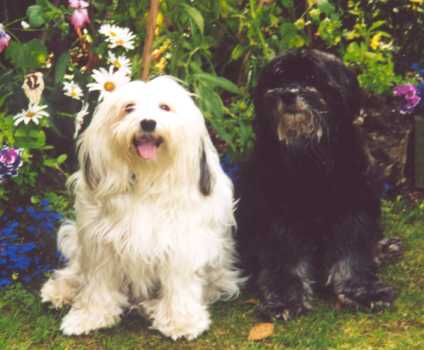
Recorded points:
147,50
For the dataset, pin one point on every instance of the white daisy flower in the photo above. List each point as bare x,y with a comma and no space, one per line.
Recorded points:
107,81
33,114
119,62
79,118
72,90
109,30
125,39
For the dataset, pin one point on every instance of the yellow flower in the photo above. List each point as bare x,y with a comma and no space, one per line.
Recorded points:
375,41
161,65
300,23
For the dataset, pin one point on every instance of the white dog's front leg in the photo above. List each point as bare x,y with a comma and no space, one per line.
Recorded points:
62,286
99,303
180,310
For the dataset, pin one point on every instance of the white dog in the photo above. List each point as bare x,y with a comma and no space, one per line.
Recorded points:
154,217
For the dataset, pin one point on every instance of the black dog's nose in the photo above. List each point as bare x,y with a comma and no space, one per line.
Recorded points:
148,125
289,96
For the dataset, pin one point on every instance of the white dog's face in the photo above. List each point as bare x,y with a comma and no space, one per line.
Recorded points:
144,122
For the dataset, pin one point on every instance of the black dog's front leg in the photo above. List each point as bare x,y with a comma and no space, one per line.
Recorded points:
350,261
285,279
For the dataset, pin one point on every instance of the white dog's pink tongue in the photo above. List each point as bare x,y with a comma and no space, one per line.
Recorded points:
147,150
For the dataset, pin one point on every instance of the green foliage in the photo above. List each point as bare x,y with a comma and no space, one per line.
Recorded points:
27,56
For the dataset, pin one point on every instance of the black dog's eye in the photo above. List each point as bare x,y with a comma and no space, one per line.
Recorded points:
165,107
129,107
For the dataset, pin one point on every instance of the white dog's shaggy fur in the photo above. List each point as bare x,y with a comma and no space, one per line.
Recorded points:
154,217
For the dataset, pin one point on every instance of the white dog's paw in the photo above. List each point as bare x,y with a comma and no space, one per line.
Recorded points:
57,292
83,321
188,323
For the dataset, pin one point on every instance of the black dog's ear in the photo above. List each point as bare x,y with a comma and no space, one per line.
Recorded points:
205,181
339,78
88,173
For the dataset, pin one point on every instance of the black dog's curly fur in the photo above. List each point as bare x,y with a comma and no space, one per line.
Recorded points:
308,217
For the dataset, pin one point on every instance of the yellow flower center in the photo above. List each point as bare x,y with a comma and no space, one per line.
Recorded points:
113,34
120,42
29,114
117,64
109,86
74,93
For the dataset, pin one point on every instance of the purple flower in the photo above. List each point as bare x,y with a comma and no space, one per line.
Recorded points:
410,104
79,19
10,161
410,97
4,39
406,90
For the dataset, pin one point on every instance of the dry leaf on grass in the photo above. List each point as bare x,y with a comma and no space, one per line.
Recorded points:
261,331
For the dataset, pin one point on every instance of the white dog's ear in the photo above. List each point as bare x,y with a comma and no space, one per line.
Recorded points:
87,171
205,181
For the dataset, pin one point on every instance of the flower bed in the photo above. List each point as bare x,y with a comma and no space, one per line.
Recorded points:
27,244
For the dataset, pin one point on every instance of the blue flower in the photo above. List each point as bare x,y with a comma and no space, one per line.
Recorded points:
415,66
56,216
27,247
22,263
44,202
5,282
31,229
23,235
20,210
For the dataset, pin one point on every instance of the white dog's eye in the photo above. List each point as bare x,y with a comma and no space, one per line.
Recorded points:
165,107
129,107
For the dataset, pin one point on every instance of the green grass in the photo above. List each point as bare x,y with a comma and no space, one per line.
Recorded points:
27,324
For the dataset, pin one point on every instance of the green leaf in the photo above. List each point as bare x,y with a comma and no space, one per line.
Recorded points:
220,82
326,7
61,159
27,56
237,52
35,16
50,162
29,138
196,16
287,3
211,103
61,66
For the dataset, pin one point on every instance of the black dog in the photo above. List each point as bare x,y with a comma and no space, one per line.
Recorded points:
308,217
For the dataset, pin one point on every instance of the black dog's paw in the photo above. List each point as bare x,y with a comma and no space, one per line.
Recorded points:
373,296
279,308
388,249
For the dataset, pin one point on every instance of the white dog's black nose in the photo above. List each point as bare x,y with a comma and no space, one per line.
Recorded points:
148,125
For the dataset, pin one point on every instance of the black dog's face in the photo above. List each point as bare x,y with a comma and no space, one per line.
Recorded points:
297,112
303,98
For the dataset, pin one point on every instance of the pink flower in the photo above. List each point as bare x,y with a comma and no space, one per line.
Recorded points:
407,90
78,4
4,39
80,19
410,98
